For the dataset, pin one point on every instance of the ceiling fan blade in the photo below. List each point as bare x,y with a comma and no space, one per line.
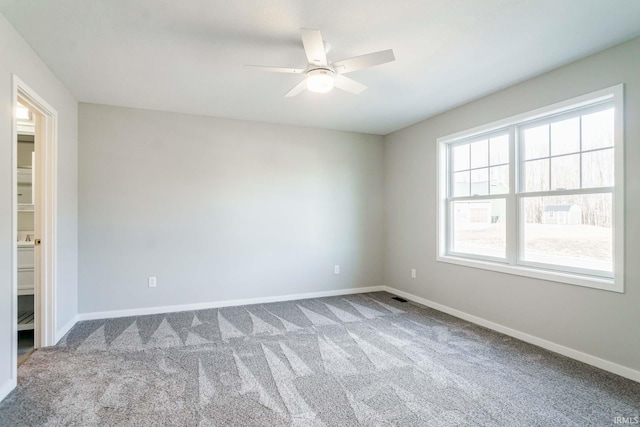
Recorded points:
313,46
276,69
349,85
364,61
296,89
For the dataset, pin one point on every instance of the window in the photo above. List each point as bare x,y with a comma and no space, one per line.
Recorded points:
540,194
479,186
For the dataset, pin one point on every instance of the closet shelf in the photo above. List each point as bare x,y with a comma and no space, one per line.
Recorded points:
26,320
26,292
23,207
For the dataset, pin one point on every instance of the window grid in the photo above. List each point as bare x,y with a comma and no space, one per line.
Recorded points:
488,167
577,113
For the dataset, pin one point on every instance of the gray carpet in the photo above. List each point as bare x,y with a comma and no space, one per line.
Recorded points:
341,361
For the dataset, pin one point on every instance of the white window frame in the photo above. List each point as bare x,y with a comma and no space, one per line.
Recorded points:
512,265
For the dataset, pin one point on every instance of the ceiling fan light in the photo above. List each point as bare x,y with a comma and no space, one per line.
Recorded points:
319,81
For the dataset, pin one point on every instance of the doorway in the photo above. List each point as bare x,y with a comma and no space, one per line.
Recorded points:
33,221
25,214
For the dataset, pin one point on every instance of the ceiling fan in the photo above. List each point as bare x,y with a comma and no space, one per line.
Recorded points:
320,75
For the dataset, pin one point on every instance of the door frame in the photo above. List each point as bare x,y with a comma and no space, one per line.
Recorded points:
45,217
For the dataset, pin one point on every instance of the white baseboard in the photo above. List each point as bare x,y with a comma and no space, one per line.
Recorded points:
66,328
6,388
606,365
227,303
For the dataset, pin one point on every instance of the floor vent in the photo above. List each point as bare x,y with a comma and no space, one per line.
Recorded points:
399,299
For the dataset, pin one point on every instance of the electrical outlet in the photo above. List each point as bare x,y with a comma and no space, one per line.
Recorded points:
152,281
336,269
413,273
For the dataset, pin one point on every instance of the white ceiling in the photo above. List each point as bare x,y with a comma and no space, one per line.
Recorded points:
187,56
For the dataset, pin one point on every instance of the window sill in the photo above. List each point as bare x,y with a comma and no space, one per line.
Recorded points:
536,273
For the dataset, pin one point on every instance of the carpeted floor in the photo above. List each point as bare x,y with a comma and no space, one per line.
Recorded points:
340,361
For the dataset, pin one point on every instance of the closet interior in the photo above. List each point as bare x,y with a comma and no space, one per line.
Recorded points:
26,232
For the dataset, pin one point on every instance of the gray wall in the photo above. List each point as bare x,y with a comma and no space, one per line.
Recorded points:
17,57
600,323
222,209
